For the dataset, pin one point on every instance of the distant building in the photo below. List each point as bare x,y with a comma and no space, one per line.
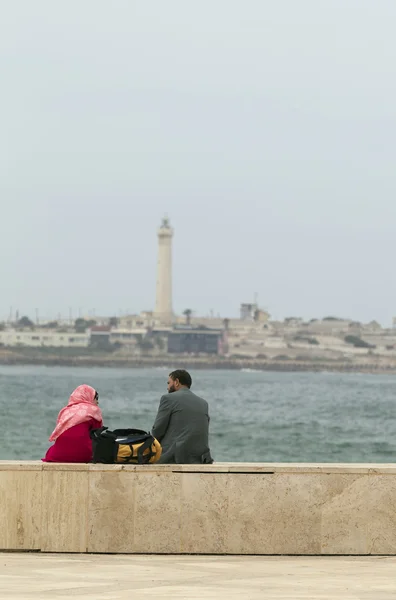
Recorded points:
100,336
127,337
330,325
189,340
251,312
248,311
145,319
261,316
40,338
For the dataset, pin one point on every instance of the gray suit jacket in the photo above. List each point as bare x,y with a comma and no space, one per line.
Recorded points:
182,427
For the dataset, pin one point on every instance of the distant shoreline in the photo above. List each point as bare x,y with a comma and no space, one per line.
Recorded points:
287,366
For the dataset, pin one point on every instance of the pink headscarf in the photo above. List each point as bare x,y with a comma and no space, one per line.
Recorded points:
81,408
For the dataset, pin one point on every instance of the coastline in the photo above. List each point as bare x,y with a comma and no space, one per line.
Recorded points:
109,361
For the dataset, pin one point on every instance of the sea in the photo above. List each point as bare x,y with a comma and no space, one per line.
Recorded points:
255,416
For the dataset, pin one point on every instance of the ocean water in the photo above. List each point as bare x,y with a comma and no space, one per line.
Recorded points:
255,416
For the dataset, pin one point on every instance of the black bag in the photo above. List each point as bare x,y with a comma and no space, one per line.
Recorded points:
131,446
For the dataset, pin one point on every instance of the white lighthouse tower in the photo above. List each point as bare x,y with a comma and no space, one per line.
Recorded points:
163,305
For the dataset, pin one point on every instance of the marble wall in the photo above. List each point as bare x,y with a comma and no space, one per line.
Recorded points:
233,508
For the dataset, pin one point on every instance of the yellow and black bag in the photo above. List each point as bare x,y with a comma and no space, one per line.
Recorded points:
129,446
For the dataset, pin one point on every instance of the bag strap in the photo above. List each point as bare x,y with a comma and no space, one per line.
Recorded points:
144,458
95,434
141,457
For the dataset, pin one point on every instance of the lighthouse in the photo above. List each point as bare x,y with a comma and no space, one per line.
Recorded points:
163,305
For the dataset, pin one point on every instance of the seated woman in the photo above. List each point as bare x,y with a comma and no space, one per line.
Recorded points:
75,421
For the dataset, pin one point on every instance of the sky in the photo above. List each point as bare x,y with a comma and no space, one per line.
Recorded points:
264,130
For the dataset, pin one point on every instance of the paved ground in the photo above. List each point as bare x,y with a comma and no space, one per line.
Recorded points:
113,577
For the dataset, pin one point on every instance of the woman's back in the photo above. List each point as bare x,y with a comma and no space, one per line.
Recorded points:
71,436
74,445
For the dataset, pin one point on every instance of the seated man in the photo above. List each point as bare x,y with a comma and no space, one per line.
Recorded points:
182,423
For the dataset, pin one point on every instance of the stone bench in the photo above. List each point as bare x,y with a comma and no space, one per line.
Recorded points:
224,508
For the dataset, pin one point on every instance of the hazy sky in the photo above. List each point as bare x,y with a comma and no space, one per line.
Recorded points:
266,129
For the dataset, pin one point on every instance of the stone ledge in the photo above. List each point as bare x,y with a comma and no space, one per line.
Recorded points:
224,508
218,467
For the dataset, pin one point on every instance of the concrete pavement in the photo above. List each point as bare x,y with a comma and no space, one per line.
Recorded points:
30,576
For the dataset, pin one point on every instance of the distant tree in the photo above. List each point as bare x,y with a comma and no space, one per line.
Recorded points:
81,325
226,323
25,322
187,313
50,325
113,322
308,340
2,326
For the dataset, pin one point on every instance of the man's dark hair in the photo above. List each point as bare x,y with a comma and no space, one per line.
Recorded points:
183,376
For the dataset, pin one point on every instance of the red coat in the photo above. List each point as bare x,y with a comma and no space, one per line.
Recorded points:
74,445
